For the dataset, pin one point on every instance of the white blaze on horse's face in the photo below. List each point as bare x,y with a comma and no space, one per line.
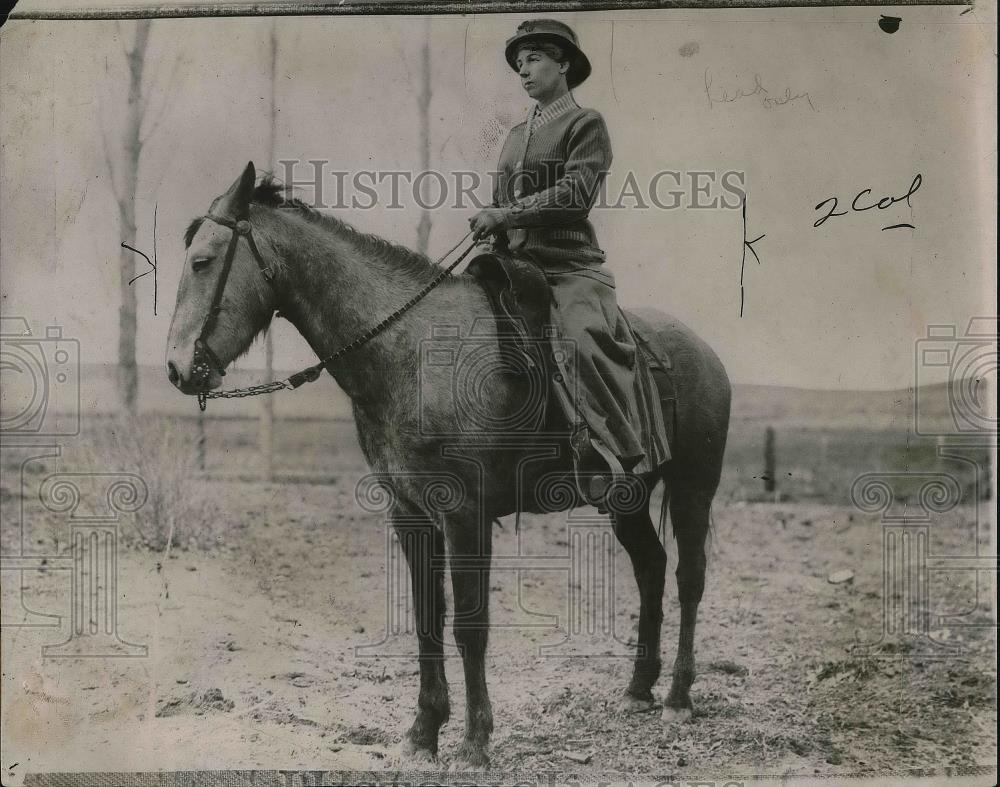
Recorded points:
246,306
202,268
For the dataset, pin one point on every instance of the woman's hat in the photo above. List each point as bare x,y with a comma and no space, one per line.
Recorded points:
554,32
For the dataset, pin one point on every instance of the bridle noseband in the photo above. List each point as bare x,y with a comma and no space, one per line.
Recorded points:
204,356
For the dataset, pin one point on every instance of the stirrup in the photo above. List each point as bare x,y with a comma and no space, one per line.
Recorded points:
598,488
593,487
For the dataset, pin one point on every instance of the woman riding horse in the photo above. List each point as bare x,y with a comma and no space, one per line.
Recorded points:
551,168
256,251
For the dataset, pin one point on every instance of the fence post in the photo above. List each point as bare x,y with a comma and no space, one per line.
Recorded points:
265,430
770,477
200,440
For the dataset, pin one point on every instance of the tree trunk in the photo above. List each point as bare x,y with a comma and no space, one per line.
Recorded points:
266,423
424,100
128,173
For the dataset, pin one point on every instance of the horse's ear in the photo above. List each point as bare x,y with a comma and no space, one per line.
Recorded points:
236,201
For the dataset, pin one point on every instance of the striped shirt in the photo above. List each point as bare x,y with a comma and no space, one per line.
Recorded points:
550,172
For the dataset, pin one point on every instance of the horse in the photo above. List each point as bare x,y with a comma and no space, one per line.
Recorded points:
331,282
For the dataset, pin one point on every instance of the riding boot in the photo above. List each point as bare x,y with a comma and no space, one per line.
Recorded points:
597,469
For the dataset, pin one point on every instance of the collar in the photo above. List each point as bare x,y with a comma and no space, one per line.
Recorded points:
538,117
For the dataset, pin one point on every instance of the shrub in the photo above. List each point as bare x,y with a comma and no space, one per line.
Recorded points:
179,508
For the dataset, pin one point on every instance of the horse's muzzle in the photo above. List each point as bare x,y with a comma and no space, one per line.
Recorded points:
198,381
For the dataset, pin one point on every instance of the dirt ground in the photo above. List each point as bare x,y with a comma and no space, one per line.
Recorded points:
252,658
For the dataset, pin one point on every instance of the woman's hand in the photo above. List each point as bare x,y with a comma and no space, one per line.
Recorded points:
486,222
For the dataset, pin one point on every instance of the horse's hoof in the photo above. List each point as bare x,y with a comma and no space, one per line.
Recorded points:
630,704
412,752
464,766
675,715
469,758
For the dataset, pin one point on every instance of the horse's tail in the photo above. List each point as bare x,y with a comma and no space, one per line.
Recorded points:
675,476
710,536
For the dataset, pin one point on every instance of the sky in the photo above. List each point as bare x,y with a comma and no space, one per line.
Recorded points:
801,105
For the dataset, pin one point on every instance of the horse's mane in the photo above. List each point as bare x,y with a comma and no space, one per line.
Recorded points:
269,193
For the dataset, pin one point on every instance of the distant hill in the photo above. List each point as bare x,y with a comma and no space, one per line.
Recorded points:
752,404
840,409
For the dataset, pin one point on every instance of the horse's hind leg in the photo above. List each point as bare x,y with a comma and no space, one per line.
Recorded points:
423,545
637,535
689,511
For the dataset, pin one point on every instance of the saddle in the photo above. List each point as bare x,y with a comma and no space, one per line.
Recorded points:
521,299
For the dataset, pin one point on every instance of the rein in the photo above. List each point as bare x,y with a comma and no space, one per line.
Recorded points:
205,358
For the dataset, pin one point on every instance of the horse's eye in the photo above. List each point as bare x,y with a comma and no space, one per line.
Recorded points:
200,263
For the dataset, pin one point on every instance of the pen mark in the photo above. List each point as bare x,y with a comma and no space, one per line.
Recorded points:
747,244
150,262
727,94
897,226
865,195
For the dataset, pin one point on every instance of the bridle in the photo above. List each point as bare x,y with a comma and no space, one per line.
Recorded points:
205,358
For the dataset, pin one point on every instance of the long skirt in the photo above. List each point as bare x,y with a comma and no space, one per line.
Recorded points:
605,374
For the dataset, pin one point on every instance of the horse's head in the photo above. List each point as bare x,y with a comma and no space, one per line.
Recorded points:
224,298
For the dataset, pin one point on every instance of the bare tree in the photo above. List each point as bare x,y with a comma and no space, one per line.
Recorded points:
123,167
424,108
266,423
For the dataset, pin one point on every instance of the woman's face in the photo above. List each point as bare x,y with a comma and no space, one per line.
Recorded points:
541,76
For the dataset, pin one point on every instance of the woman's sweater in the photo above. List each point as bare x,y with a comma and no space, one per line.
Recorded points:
552,180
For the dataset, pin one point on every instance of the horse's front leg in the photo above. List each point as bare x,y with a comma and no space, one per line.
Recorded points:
423,545
470,548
